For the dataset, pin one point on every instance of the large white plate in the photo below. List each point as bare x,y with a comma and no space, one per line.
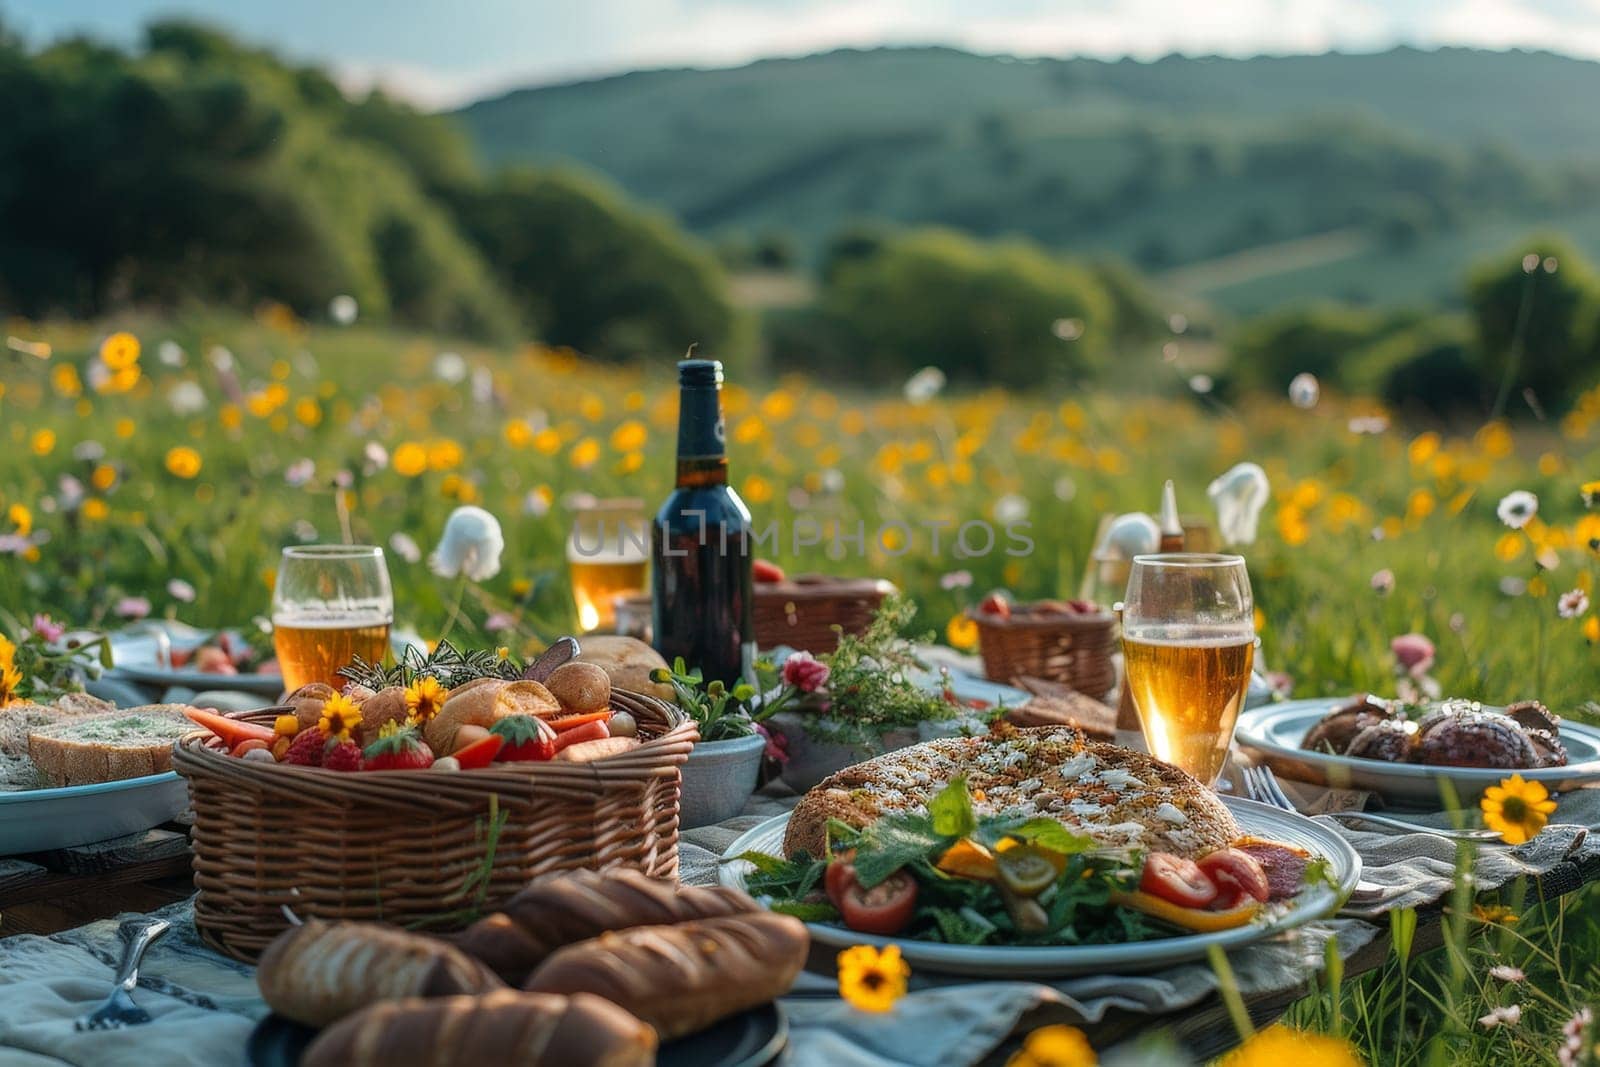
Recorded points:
39,819
1256,820
134,653
1276,733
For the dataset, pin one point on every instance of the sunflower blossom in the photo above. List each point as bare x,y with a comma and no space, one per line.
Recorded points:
424,697
1516,809
1278,1045
340,717
1055,1046
872,980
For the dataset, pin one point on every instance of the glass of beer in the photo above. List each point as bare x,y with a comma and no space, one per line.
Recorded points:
330,604
608,553
1188,640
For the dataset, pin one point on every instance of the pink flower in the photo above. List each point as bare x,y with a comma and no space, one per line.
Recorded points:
499,621
1502,1015
1414,653
805,672
1383,582
777,744
132,607
47,628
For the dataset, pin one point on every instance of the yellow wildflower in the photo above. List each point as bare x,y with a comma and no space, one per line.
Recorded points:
103,477
1591,629
1494,914
1509,547
308,411
340,717
424,697
1515,809
10,680
410,459
44,442
756,489
124,428
1055,1046
95,509
1591,493
629,436
120,351
1278,1045
518,433
21,519
183,462
961,632
584,453
870,979
443,454
1422,448
547,441
64,378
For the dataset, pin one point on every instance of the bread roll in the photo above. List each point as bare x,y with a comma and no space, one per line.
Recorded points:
480,703
386,705
683,978
322,971
627,661
504,1027
307,702
580,687
561,909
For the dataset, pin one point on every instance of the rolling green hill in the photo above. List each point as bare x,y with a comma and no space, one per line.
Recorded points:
1179,165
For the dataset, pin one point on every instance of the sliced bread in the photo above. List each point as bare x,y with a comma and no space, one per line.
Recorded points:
20,720
107,748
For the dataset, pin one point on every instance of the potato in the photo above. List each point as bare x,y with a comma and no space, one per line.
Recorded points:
387,705
627,661
307,702
581,687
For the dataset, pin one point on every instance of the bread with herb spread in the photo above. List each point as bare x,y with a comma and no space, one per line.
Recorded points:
1120,798
106,748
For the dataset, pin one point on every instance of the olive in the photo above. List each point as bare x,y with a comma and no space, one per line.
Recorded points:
1026,870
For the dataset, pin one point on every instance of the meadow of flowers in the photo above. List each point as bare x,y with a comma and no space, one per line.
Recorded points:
158,467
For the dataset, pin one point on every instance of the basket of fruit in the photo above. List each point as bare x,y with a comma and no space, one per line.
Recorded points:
1070,641
423,794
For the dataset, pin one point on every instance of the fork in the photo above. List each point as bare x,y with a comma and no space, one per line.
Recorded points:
119,1010
1260,784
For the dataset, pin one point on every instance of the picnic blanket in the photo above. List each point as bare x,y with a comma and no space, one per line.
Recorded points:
204,1005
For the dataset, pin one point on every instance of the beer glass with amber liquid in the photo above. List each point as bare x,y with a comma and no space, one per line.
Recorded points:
330,604
608,554
1188,641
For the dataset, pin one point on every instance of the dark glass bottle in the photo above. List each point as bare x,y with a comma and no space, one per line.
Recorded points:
700,551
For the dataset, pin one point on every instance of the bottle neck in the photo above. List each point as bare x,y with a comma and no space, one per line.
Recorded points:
702,444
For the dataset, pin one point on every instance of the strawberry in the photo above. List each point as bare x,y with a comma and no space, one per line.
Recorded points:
342,756
527,738
479,754
306,750
397,749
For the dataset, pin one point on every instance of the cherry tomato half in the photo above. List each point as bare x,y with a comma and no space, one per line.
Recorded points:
841,872
995,604
1178,880
885,909
1237,875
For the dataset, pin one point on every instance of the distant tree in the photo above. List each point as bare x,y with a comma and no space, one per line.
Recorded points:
1535,310
433,148
1430,367
853,244
594,271
982,312
1321,339
774,251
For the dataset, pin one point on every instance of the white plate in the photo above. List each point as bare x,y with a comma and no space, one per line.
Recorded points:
38,819
1256,820
133,652
1276,733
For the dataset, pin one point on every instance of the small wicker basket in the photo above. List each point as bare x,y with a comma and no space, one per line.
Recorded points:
409,846
1074,649
801,612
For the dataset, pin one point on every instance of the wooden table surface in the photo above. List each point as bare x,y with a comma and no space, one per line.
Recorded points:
47,892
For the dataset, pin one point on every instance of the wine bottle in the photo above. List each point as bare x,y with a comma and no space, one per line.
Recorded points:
700,550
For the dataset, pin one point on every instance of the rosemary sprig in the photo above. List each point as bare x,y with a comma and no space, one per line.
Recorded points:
446,664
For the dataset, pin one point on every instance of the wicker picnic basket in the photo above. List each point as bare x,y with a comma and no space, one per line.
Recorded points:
801,612
407,847
1074,649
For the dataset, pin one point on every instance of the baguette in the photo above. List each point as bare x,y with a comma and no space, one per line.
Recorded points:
681,979
561,909
504,1027
320,972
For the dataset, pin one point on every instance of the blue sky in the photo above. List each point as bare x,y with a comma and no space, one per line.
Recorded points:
447,51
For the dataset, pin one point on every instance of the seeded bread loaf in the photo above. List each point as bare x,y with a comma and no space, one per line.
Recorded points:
108,748
1120,798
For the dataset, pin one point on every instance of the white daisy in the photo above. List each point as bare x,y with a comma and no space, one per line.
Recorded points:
1503,1015
471,546
1517,508
1573,602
